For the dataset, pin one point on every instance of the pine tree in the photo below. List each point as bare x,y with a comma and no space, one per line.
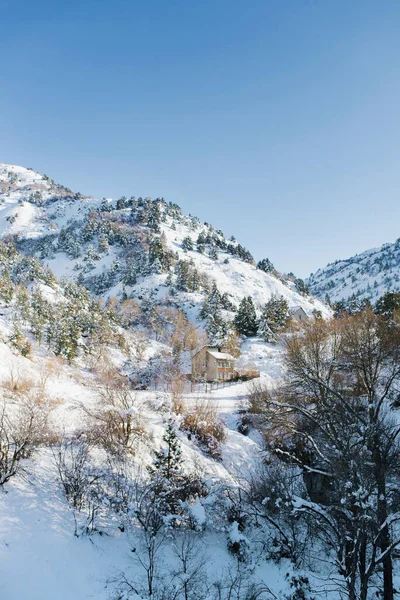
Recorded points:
246,319
217,329
168,460
213,253
212,303
121,203
275,313
182,275
154,216
6,287
187,243
266,265
201,243
264,330
388,303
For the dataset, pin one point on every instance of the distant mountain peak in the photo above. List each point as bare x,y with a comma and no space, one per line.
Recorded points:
366,275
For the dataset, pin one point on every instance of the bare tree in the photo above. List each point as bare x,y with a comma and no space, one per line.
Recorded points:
332,420
23,427
238,584
190,580
119,421
148,514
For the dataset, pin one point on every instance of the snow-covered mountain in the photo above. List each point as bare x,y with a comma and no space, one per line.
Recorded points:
65,357
133,247
366,275
123,480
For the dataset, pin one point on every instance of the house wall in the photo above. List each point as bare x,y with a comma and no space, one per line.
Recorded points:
211,367
299,315
199,364
206,365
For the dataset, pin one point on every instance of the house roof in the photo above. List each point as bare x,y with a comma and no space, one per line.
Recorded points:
220,355
296,308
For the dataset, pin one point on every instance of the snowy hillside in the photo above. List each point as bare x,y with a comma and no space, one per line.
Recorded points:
50,546
366,275
136,247
125,477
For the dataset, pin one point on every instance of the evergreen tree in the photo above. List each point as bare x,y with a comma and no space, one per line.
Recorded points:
275,314
212,303
201,243
388,303
6,287
158,258
301,287
264,330
213,253
187,243
121,203
266,265
182,275
246,319
217,329
168,460
154,217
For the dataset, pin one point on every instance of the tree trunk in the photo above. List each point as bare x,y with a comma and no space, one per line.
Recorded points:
384,542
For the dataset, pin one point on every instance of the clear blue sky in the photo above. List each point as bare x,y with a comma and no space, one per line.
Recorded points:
276,120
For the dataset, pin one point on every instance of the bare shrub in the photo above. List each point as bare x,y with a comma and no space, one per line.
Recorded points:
16,381
23,427
73,462
189,580
176,385
48,369
203,422
140,344
258,398
238,584
119,424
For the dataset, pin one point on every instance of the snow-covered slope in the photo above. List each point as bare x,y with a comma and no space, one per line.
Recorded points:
43,552
132,246
366,275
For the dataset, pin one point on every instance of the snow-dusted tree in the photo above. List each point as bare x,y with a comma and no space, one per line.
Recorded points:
103,244
201,243
121,203
266,265
301,287
232,344
246,319
187,243
264,330
212,303
275,314
388,304
22,430
168,460
154,216
6,286
332,419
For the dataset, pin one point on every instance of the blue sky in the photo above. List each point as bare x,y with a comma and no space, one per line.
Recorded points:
277,120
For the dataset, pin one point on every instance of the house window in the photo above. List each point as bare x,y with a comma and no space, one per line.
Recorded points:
220,375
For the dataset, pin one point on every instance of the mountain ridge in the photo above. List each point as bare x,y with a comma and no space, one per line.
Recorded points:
367,275
133,247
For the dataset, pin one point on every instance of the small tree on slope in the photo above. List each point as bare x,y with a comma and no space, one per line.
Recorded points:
246,318
168,459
